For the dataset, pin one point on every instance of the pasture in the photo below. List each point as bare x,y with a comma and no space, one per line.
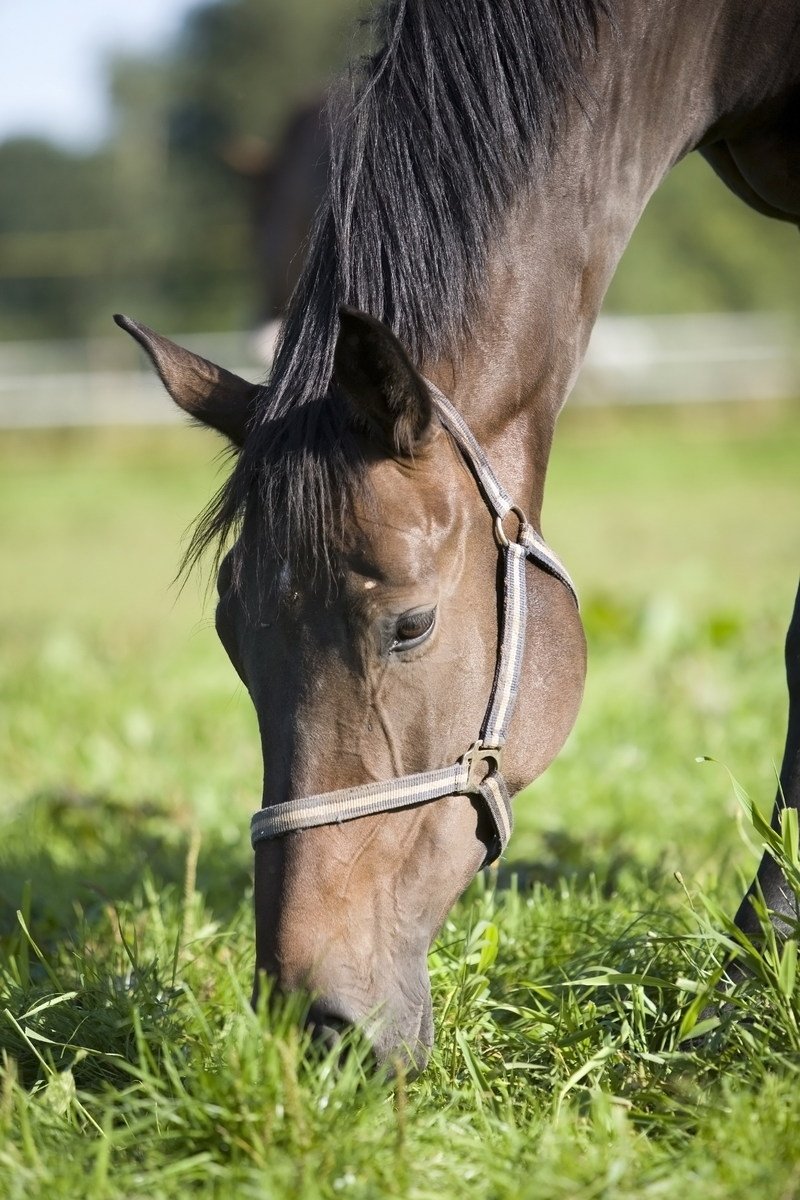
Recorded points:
573,1055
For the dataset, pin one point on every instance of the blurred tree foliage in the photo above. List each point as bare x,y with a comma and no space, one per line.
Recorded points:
56,217
700,249
156,221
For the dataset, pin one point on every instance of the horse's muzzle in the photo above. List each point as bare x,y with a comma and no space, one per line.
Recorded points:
326,1026
397,1044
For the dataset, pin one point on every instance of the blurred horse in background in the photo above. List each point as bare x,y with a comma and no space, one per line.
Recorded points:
284,188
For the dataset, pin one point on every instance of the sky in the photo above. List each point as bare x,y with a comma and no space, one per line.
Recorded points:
52,81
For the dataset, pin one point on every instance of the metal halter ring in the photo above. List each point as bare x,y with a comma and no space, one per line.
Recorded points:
500,534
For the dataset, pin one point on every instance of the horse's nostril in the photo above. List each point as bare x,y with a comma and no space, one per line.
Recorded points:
326,1025
325,1036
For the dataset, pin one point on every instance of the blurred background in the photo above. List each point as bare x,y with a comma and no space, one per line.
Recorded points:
162,159
167,162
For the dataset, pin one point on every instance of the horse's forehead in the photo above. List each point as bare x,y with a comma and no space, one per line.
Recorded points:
405,509
416,492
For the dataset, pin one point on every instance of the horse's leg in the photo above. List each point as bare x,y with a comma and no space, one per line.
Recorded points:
769,880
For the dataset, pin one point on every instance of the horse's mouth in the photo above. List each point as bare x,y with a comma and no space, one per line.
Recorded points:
400,1054
396,1050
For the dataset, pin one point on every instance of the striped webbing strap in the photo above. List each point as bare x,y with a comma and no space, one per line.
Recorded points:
478,771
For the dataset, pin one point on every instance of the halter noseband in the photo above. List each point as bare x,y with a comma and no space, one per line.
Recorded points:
477,772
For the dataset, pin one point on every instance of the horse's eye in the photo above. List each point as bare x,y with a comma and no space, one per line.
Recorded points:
412,628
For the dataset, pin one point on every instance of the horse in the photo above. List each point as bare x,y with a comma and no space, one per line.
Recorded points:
383,517
284,190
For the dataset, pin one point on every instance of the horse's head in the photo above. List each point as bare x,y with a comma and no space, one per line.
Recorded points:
385,673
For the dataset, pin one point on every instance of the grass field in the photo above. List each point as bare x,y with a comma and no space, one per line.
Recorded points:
568,986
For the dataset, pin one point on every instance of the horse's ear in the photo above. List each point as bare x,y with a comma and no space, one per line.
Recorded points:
387,395
208,393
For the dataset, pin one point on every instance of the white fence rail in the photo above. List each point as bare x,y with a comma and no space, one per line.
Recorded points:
693,358
631,360
101,381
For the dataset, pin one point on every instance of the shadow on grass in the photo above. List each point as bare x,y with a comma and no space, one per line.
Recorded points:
65,851
110,897
87,851
103,889
591,862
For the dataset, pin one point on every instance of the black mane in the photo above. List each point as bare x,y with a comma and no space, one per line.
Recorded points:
444,125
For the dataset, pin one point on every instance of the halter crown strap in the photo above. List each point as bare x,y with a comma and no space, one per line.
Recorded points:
478,771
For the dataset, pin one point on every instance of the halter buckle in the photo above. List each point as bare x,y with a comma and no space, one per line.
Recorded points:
474,759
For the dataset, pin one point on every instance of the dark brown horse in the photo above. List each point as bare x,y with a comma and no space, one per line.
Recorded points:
485,180
284,189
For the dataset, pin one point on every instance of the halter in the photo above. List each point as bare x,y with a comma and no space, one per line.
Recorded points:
477,772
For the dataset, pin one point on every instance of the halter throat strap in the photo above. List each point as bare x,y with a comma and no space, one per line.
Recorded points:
478,771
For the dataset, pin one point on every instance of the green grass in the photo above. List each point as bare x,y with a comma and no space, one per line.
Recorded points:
567,986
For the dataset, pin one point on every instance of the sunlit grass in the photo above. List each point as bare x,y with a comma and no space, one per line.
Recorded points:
576,1053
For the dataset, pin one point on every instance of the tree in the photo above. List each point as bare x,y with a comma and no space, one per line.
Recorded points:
157,221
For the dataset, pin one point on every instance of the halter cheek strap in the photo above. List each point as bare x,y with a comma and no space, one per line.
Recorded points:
478,771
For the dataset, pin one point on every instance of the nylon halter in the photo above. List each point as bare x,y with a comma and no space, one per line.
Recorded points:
478,771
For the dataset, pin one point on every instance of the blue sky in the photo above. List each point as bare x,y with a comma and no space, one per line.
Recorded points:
52,80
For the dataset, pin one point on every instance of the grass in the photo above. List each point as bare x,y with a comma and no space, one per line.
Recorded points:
574,1058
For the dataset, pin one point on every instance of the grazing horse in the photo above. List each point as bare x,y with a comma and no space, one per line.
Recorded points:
284,190
485,178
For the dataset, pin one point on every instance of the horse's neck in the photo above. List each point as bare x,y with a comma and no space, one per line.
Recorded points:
673,76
